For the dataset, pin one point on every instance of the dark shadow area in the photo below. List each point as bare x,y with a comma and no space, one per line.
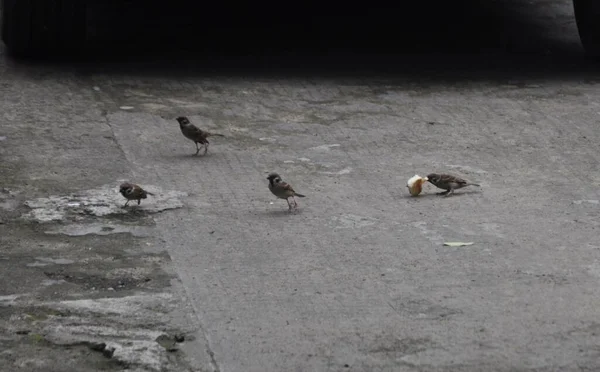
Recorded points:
417,40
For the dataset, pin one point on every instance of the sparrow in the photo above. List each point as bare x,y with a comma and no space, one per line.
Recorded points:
283,190
448,183
131,191
196,134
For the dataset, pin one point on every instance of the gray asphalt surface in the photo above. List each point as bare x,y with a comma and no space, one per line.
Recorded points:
358,279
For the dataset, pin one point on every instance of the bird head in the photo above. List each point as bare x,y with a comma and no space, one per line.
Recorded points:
183,120
433,177
274,178
126,188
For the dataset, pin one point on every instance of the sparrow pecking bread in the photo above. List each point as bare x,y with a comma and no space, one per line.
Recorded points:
192,132
283,190
448,183
131,191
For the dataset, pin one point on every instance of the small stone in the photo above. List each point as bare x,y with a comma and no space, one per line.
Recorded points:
23,332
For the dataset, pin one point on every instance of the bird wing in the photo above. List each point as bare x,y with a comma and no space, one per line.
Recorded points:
452,179
138,191
286,186
194,133
197,131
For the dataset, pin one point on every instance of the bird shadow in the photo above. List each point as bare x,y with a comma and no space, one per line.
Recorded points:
190,156
135,210
277,212
183,155
463,192
436,195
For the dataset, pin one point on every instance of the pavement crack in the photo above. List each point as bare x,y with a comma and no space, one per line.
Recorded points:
213,360
113,136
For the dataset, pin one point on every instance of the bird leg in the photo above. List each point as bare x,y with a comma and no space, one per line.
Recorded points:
443,192
295,203
127,202
205,148
197,148
139,200
289,204
450,192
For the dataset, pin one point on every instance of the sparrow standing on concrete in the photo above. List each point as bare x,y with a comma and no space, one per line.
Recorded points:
283,190
131,191
448,183
195,134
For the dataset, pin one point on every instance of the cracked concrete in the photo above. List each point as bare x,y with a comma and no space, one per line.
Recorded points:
359,279
89,293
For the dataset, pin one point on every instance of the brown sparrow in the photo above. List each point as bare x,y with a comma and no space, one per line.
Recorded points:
131,191
448,183
196,134
283,190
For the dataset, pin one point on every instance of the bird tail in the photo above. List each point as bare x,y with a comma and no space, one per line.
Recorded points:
149,193
474,184
300,195
216,135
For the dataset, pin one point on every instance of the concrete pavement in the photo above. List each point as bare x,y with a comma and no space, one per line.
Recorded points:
358,279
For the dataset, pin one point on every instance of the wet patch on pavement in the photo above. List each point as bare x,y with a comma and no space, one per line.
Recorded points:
89,295
100,229
101,202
